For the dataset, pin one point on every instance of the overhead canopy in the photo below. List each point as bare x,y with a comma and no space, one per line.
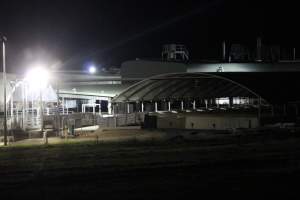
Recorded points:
270,87
184,85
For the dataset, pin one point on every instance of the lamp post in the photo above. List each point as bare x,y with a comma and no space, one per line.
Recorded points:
3,40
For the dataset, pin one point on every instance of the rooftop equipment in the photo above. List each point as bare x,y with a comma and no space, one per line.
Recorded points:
175,52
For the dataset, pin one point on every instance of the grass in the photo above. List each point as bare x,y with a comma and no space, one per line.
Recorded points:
149,169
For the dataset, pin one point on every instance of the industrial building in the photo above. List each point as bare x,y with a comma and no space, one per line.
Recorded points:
180,93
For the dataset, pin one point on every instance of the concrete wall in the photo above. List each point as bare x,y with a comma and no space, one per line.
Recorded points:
220,122
206,121
170,122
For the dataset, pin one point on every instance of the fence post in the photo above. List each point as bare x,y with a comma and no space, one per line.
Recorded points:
45,137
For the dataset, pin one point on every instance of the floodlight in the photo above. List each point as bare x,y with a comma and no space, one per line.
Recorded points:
92,69
37,78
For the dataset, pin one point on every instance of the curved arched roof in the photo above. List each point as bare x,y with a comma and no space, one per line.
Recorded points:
184,86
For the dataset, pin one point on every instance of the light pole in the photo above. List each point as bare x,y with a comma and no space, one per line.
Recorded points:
3,39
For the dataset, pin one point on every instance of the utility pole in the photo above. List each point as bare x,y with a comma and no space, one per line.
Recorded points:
4,39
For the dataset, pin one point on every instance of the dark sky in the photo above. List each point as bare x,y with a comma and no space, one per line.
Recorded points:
107,32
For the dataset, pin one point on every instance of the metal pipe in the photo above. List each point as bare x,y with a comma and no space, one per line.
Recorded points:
258,49
294,53
224,51
259,111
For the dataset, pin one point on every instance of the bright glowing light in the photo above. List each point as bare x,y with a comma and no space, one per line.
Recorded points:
223,101
37,78
92,69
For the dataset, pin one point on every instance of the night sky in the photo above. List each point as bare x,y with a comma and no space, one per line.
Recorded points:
69,34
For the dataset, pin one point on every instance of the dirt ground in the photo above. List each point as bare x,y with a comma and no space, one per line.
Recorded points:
154,165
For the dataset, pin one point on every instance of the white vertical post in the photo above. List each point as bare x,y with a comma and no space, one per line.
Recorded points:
32,115
12,105
194,105
94,106
169,106
155,106
206,104
63,105
41,110
142,106
11,110
182,105
128,108
17,115
108,106
82,108
26,104
24,107
113,109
